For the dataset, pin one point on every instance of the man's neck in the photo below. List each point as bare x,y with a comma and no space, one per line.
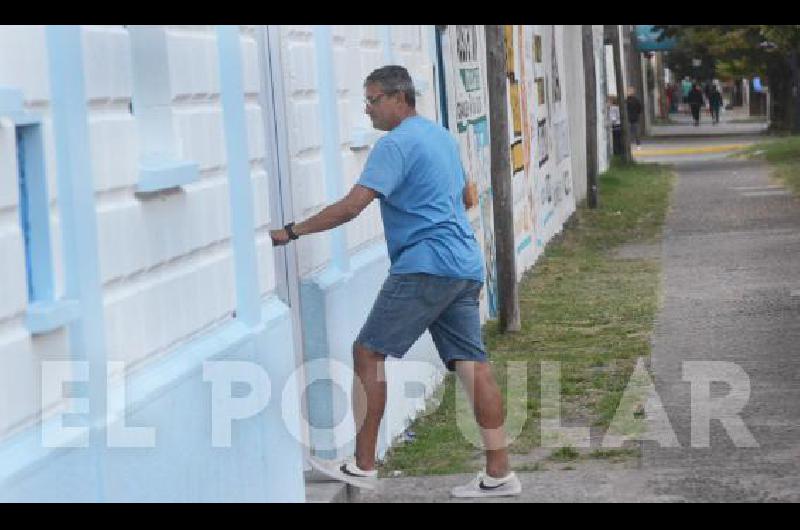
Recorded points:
402,117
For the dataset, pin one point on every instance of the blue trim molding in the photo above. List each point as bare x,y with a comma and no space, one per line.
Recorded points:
44,317
76,202
241,187
45,313
331,145
161,174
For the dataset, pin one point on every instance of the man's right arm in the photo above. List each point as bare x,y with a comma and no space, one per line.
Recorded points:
332,216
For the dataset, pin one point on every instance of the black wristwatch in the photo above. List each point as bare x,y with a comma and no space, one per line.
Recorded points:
289,231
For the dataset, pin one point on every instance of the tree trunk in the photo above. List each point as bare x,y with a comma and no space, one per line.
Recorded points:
502,196
795,91
623,111
590,82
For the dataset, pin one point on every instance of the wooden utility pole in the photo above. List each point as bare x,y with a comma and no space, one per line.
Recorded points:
590,82
612,31
502,197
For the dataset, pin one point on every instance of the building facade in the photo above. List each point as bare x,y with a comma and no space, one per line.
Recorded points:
154,346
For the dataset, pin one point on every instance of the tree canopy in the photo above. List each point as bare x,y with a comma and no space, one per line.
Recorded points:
728,51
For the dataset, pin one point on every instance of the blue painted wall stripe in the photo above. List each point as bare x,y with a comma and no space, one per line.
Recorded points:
388,52
241,188
79,221
331,145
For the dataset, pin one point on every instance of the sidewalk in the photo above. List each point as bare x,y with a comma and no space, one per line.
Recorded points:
732,122
673,143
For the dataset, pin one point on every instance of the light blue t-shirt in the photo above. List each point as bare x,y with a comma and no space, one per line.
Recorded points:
417,173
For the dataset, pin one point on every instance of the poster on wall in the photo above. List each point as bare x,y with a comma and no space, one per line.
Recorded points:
523,186
540,90
542,141
562,140
517,157
516,114
555,78
466,68
508,32
547,157
563,186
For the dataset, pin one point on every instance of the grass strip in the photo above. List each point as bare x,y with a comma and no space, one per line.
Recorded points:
783,155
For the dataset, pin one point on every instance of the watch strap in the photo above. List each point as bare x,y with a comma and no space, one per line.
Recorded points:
289,231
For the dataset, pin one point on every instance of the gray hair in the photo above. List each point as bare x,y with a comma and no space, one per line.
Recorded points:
393,79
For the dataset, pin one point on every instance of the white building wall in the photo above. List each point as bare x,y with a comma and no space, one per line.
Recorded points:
23,66
576,106
172,272
166,268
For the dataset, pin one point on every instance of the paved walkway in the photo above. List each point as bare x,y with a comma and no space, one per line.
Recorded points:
731,294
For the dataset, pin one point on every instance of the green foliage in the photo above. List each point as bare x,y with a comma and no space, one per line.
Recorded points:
726,51
734,51
565,454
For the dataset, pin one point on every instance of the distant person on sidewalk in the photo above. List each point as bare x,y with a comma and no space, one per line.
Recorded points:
695,100
434,281
714,104
634,108
686,87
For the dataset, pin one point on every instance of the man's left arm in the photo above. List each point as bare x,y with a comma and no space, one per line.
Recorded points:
332,216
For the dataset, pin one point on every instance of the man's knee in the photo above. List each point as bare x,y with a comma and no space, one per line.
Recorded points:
362,354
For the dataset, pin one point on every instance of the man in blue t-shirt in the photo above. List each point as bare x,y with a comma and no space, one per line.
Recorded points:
434,282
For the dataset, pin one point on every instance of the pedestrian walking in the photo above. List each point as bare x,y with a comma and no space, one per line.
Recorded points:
695,100
634,108
714,104
434,281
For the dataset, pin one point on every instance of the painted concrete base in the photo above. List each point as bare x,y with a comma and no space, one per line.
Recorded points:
334,306
262,463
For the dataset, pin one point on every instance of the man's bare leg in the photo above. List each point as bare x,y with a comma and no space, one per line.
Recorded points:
369,401
487,404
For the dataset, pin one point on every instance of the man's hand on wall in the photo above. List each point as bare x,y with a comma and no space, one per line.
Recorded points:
279,237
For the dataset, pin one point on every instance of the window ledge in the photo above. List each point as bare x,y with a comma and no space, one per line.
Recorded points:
162,174
44,317
12,106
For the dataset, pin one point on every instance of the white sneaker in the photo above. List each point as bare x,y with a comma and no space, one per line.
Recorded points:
485,486
346,471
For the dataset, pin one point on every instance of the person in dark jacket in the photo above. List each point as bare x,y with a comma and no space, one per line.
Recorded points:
695,100
634,108
714,103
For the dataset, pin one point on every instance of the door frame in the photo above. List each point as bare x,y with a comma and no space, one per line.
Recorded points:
287,276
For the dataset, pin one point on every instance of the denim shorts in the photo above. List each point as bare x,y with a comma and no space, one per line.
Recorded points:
408,304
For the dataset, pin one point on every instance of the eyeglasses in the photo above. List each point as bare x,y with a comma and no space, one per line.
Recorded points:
372,101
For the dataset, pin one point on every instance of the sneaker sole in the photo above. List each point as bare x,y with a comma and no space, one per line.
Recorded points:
477,495
369,484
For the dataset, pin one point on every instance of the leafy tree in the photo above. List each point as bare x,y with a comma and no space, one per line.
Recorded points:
731,51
